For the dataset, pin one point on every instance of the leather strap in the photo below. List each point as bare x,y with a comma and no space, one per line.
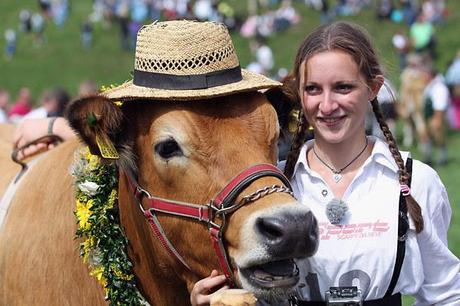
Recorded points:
403,227
177,208
219,248
242,180
160,234
222,204
49,139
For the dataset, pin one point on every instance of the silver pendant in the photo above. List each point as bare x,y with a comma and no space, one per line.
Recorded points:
336,210
337,177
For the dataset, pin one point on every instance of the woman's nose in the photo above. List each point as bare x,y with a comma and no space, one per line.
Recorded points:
328,103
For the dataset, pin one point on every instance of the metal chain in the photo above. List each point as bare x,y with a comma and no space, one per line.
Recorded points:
263,192
253,197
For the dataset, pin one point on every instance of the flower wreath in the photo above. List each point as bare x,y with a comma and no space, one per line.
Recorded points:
104,245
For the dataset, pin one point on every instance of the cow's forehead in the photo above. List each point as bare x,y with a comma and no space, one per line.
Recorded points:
239,110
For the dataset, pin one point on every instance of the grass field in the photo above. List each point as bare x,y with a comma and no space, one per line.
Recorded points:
61,60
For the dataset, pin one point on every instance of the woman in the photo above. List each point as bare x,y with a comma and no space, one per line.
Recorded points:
358,188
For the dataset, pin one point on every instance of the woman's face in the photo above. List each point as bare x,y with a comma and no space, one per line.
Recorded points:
335,96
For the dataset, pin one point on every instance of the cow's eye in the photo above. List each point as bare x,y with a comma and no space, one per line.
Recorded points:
168,148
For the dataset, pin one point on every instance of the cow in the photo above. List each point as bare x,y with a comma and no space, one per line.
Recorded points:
210,142
209,150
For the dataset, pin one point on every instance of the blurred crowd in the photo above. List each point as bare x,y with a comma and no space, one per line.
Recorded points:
51,103
426,101
33,23
129,15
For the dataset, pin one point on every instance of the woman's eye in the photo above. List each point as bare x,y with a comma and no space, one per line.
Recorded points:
344,88
311,89
168,148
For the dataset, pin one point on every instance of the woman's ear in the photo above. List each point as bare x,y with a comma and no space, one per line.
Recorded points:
376,85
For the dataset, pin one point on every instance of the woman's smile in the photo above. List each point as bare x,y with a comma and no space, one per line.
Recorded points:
331,122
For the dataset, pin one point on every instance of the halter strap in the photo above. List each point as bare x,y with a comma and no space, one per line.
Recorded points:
222,204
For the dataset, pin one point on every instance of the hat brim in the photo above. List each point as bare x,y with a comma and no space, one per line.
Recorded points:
251,81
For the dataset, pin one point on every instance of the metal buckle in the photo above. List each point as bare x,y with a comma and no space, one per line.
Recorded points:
143,193
344,296
213,212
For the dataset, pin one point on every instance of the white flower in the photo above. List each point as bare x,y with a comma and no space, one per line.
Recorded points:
88,188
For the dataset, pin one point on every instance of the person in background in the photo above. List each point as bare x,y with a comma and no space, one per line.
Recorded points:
388,99
401,43
383,216
38,28
453,81
87,88
33,129
4,103
45,7
10,45
414,79
42,121
263,55
422,35
22,106
53,103
437,100
37,127
86,34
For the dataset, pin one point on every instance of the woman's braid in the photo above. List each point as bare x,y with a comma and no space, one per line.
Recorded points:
412,206
297,142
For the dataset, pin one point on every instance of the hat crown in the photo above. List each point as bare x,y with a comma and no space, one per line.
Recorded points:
184,47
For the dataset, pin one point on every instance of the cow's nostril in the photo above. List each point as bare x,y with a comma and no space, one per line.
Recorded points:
271,228
289,233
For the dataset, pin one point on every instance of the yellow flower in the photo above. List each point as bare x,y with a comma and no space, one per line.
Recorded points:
112,199
83,213
86,153
121,275
98,273
87,245
93,162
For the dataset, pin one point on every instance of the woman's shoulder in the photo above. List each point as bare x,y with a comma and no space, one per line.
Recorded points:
424,173
427,188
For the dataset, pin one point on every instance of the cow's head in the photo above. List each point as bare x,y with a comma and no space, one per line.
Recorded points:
188,151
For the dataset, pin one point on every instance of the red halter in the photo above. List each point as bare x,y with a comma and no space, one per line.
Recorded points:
221,205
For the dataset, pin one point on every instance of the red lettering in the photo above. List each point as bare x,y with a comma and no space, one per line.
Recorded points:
349,229
380,226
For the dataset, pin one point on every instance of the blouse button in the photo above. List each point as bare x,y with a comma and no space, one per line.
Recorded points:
324,192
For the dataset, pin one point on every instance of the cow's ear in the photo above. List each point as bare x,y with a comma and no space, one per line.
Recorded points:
98,121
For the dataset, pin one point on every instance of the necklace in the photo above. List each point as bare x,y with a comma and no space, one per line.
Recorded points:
337,173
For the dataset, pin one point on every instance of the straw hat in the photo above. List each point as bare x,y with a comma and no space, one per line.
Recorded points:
186,60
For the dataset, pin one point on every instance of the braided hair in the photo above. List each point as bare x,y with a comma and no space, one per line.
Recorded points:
353,40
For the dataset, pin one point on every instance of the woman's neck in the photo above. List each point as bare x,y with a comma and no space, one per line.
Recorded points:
338,155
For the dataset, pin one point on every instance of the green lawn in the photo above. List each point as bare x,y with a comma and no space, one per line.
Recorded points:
62,61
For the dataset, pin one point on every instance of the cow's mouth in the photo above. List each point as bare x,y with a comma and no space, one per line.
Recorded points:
282,273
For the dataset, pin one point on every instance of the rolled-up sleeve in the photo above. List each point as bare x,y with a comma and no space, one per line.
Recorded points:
441,268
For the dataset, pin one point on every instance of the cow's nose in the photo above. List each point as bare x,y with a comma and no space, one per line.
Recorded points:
289,234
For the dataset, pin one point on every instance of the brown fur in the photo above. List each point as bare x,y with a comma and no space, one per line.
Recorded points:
6,133
39,262
8,167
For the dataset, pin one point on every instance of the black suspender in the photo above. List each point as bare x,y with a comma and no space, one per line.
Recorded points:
403,227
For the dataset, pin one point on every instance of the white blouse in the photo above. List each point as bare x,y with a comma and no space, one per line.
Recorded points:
362,251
